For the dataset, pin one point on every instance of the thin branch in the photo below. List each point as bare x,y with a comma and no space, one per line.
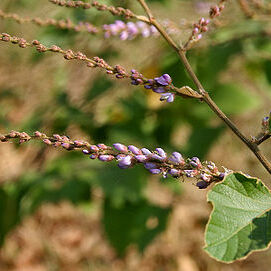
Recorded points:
206,98
62,24
116,11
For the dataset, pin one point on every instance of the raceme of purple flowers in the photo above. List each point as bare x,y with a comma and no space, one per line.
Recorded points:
130,30
157,162
158,85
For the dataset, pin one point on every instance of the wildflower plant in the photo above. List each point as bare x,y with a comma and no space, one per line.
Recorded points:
240,221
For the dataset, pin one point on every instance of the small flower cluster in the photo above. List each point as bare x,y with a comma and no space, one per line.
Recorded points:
130,30
156,162
202,25
215,11
159,85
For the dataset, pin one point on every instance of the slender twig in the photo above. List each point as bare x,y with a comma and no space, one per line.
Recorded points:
117,11
62,24
206,98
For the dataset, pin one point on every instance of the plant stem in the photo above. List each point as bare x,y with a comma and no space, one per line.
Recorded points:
205,96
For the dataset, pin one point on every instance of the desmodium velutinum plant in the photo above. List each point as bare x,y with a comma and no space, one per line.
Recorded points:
240,220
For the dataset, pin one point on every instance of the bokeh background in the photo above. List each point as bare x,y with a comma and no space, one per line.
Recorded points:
61,211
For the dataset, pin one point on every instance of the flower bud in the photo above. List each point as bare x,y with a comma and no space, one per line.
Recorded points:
146,151
125,162
150,165
141,158
134,150
106,158
176,158
202,184
120,147
155,171
161,152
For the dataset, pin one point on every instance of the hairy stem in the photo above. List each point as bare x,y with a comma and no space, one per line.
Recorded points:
205,96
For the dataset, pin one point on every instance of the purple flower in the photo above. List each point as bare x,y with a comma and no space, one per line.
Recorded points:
161,152
155,171
134,150
120,147
93,156
176,158
145,32
195,162
169,97
106,157
85,151
94,148
146,151
158,157
174,172
102,146
150,165
141,158
120,24
132,28
158,90
163,80
125,162
120,156
124,35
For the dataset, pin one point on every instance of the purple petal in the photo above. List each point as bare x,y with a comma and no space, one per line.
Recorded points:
158,90
94,148
150,165
158,157
134,150
163,80
102,146
176,157
167,96
155,171
124,35
93,156
141,158
146,151
85,151
120,24
171,98
120,147
125,162
106,158
174,172
161,152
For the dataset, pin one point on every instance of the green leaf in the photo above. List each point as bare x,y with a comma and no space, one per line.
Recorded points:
133,223
241,219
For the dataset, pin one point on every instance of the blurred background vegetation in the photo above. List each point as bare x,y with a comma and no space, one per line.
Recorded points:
61,211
